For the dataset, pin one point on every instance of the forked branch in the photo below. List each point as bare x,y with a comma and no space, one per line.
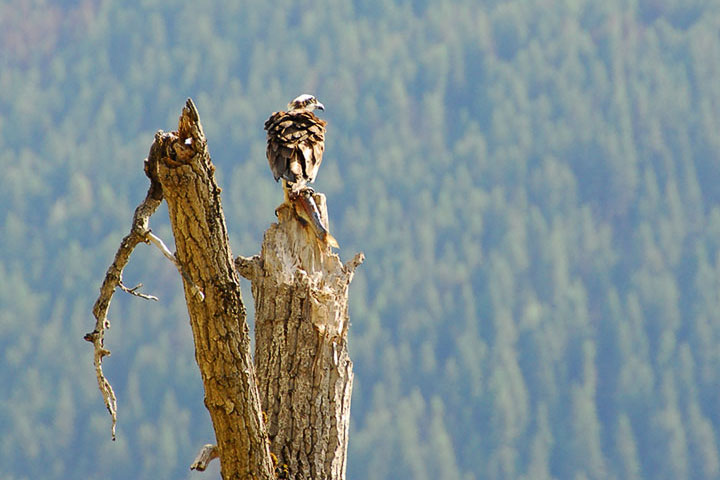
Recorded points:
139,231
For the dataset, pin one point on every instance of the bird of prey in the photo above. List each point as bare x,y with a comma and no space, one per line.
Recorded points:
295,143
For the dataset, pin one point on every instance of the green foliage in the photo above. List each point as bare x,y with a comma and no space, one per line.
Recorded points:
535,185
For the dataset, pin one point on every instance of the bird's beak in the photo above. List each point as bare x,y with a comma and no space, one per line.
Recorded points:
320,106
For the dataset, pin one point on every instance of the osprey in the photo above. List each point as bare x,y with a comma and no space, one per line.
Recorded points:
295,145
295,142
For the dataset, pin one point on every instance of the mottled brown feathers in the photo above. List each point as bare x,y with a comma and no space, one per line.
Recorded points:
295,145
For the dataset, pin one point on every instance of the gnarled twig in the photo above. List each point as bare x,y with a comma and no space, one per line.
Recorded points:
113,276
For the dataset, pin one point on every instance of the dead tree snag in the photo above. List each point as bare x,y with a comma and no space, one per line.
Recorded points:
304,374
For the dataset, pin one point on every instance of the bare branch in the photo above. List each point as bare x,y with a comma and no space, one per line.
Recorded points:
102,305
95,337
113,276
356,261
155,240
134,291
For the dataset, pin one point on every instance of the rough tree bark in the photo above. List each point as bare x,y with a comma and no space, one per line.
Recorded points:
220,332
301,320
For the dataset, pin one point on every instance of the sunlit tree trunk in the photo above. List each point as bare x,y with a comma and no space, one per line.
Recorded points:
301,320
212,293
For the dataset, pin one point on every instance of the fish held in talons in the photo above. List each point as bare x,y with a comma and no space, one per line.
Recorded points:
307,210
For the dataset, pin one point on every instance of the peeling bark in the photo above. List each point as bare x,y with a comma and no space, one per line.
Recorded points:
304,372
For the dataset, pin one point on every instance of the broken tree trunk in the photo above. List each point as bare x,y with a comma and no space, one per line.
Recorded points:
301,321
220,332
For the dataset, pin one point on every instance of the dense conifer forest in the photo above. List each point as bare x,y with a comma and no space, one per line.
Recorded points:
535,184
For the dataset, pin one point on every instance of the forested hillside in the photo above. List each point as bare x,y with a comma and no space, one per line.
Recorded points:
535,184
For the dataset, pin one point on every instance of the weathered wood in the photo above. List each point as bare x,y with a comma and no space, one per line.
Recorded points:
304,372
300,289
113,277
206,454
222,342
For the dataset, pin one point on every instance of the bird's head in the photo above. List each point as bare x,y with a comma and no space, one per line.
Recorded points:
305,102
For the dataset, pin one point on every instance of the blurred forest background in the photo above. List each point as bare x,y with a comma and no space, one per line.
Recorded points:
536,185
